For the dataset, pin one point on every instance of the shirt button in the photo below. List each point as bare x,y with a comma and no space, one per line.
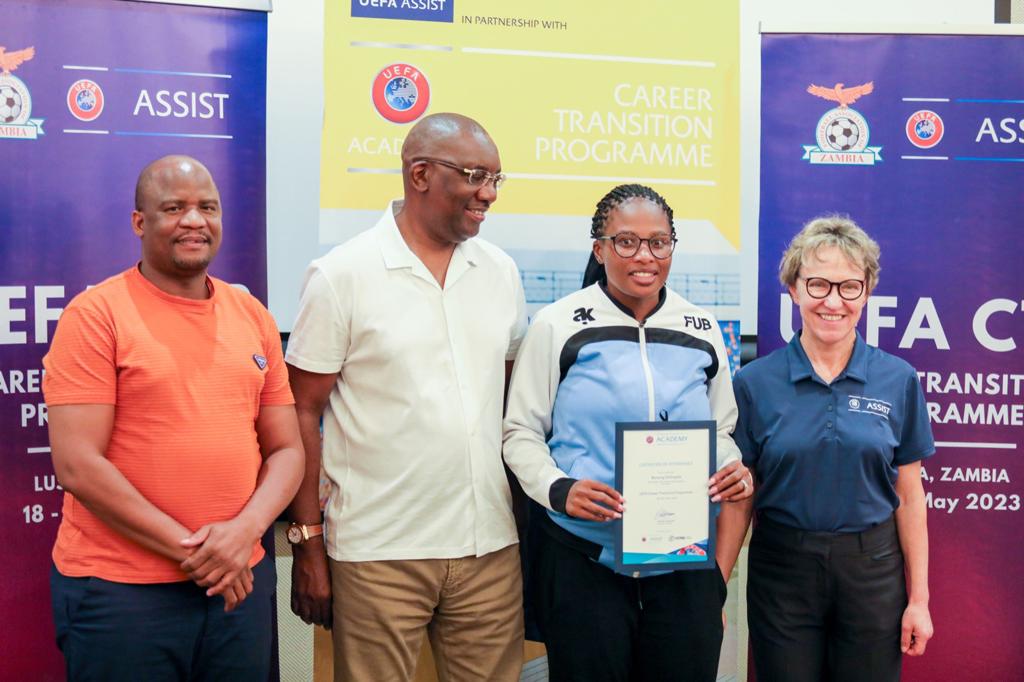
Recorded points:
828,425
829,408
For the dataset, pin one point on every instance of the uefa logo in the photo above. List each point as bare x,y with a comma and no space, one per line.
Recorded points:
925,129
85,100
400,93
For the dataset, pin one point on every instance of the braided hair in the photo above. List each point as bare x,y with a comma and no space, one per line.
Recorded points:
615,198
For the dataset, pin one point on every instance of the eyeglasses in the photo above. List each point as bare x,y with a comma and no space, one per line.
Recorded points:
819,287
627,245
475,176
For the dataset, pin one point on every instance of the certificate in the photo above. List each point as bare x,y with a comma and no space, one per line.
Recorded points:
662,471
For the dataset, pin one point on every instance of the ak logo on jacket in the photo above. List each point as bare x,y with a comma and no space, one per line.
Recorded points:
583,315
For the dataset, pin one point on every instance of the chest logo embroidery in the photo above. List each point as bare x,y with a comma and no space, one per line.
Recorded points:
260,361
880,408
696,322
583,315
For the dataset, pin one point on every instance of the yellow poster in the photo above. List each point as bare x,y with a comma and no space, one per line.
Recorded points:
579,96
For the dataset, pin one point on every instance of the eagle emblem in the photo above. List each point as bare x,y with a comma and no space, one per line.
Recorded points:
9,61
840,94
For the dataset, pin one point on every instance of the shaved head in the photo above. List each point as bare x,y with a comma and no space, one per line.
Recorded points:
178,220
434,134
174,163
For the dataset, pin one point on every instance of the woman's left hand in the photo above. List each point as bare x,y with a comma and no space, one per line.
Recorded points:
731,483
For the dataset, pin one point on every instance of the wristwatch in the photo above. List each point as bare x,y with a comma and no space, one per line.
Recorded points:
299,532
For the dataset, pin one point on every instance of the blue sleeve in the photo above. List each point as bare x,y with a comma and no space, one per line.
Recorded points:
916,441
743,436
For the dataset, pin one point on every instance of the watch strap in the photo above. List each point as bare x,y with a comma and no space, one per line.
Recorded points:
311,531
304,532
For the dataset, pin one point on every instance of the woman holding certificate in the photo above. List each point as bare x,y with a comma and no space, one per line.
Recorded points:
626,349
835,431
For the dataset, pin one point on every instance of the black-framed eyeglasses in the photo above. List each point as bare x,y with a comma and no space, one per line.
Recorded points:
475,176
627,244
819,287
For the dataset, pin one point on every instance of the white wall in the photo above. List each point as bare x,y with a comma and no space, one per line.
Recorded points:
295,103
295,117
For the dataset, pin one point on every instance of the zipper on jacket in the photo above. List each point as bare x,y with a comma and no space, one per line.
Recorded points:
647,373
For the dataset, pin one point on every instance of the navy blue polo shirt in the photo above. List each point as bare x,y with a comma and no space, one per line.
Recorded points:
826,455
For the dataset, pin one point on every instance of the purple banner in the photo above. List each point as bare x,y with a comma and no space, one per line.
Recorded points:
918,138
90,92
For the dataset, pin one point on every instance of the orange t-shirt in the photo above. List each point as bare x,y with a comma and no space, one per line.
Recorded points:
187,379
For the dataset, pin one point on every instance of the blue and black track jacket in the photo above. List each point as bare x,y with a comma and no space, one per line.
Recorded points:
585,364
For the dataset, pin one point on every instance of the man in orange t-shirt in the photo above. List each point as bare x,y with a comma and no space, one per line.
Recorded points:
174,436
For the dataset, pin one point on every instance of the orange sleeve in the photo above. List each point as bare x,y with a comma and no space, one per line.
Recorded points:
81,368
276,390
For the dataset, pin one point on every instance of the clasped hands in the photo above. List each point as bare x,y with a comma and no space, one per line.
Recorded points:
218,559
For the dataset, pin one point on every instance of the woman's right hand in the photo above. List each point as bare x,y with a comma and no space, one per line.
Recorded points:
594,501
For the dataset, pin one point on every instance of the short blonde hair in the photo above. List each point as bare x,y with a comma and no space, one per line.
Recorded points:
836,231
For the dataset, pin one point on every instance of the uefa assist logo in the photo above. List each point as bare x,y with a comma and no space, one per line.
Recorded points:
925,129
842,133
85,100
400,93
15,99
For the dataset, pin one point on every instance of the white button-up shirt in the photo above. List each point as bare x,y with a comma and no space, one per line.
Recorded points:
412,432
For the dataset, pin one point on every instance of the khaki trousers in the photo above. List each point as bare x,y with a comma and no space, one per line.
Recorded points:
471,608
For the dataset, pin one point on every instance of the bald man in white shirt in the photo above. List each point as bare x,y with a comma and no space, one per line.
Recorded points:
403,341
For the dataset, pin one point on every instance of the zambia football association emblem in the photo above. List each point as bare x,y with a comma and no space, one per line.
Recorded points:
842,133
15,99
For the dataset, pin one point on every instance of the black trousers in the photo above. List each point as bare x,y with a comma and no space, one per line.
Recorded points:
825,606
601,626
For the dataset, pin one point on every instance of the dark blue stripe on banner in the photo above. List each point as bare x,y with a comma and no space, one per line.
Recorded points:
197,135
988,158
992,101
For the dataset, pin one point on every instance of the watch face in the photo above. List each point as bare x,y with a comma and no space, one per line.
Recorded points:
294,535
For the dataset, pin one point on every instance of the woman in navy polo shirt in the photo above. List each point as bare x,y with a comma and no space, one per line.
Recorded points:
835,431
